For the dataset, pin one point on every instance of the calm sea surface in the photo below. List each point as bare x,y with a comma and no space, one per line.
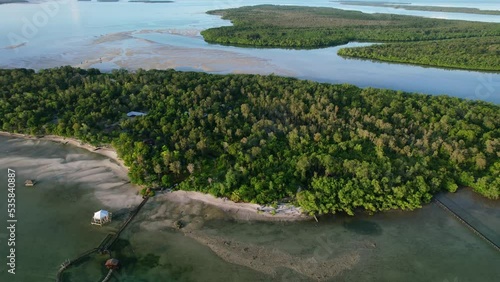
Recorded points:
138,35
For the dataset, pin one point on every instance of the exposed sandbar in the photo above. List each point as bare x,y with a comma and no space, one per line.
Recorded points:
243,211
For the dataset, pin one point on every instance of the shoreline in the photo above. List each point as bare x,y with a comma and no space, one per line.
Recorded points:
240,211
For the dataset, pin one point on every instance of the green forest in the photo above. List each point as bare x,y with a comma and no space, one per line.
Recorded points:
409,6
261,139
309,27
475,53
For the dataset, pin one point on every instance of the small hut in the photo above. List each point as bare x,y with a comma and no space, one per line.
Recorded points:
135,114
101,217
29,183
112,264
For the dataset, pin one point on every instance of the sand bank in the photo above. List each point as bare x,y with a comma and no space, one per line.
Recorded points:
183,32
112,37
271,260
15,46
243,211
128,50
107,152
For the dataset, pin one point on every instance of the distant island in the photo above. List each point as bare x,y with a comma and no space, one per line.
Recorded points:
151,1
12,1
407,6
266,139
426,41
134,1
475,53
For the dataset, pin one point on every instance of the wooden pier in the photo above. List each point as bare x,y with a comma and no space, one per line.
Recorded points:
68,263
106,279
104,246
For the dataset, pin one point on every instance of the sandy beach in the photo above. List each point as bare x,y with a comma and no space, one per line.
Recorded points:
212,244
240,211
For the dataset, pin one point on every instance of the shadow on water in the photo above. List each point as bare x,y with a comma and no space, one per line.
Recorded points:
67,277
122,214
120,245
124,251
362,227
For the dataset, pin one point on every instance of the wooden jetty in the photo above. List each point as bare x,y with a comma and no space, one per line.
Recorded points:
103,247
68,263
108,276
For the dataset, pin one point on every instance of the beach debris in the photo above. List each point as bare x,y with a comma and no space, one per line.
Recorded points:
179,224
287,209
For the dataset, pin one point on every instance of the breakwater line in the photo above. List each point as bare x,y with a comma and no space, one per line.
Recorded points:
466,223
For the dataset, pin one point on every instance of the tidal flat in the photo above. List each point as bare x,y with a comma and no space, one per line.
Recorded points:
54,224
167,36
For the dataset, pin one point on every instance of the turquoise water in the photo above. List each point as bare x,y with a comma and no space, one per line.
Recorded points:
54,224
42,36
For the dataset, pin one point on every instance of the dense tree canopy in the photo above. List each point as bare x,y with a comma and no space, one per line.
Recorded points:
308,27
466,10
264,138
475,53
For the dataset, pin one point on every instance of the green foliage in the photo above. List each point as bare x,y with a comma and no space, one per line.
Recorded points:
466,10
147,192
466,53
252,138
475,44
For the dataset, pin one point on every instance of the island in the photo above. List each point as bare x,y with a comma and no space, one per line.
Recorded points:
13,1
408,6
151,1
266,139
468,45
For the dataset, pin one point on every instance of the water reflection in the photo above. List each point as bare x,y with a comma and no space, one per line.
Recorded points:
116,35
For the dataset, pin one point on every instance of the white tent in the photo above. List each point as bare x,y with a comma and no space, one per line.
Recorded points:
101,217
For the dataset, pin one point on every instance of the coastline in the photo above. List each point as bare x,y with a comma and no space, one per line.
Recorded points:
213,245
239,211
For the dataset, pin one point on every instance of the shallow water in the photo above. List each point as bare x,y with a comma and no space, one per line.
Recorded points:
325,65
66,33
425,245
483,5
54,215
